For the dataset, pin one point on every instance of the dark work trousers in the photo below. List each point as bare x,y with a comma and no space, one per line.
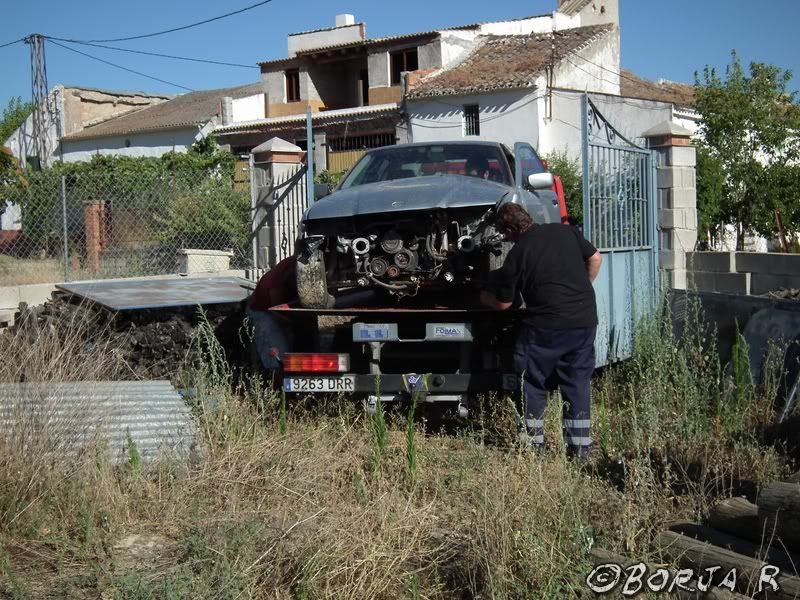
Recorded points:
567,355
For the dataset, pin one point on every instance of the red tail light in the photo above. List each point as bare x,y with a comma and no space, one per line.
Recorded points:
316,363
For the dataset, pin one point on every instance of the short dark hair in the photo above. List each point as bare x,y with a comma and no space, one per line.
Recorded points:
513,218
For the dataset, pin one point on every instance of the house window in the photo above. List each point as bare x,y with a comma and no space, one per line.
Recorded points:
472,119
403,60
293,85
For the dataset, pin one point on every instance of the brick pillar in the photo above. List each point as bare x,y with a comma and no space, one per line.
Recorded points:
273,162
93,221
677,198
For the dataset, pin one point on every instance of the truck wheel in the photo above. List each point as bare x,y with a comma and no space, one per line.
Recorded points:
312,283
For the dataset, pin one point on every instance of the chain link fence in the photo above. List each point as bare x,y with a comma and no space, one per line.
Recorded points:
97,225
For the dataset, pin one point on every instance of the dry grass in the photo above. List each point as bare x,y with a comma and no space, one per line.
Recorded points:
296,509
22,271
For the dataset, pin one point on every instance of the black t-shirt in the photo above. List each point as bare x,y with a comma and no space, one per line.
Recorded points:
547,266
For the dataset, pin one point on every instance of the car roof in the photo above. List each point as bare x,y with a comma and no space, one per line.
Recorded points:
444,143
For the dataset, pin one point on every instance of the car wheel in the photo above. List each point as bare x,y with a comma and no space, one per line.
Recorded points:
312,283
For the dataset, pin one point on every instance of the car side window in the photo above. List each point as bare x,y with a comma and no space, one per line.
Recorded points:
527,162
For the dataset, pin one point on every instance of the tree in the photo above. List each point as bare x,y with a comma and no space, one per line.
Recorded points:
569,169
710,190
14,115
750,124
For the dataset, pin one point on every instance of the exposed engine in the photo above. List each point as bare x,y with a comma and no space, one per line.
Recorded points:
402,256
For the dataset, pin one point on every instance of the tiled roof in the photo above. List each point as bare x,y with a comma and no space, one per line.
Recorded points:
633,86
503,62
384,40
116,92
327,117
194,108
573,7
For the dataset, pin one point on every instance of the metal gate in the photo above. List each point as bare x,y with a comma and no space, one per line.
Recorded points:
277,204
619,218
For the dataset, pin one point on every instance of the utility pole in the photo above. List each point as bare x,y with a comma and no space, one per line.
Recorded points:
39,95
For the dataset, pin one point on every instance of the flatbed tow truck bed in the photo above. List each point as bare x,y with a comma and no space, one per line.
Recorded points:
441,355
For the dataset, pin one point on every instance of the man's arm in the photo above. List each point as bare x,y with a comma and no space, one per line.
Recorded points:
593,265
490,300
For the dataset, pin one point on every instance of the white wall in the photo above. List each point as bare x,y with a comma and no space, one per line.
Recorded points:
561,131
248,108
21,141
594,68
507,117
324,37
141,144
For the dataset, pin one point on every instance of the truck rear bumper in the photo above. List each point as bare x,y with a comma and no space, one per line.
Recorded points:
434,384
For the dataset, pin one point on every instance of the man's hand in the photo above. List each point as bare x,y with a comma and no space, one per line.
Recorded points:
490,300
593,265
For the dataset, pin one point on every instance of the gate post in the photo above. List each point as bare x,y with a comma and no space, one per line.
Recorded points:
273,162
677,198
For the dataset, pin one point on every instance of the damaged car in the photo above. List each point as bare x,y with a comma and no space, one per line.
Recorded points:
411,218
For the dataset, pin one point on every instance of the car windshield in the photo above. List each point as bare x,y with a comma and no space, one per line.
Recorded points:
401,162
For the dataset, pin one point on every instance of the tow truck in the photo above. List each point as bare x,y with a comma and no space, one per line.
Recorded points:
437,353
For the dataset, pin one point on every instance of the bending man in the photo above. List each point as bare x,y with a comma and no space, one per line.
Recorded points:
552,267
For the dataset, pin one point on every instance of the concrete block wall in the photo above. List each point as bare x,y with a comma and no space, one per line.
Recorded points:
748,273
676,182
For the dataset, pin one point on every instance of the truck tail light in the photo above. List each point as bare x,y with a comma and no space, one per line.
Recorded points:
316,363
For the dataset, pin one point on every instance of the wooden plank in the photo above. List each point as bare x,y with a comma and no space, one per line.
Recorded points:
770,553
736,516
697,555
779,511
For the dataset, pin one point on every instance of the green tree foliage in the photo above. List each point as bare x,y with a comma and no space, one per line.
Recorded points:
178,199
750,124
569,169
14,115
710,190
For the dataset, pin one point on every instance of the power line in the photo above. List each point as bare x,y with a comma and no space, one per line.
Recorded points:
174,29
187,58
121,67
14,42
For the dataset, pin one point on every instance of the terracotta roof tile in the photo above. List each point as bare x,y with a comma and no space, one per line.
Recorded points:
506,62
633,86
194,108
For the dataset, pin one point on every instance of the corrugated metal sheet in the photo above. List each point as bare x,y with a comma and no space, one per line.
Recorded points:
68,416
137,294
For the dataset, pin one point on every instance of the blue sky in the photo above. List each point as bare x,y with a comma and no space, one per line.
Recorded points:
669,39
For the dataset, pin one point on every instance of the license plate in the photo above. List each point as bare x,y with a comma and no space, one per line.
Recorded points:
345,383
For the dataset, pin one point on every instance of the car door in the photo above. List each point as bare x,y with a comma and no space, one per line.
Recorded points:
542,205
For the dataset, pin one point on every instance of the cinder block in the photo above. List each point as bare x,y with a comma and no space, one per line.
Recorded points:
681,156
672,259
668,177
723,283
683,198
678,279
676,177
669,218
684,239
768,263
761,283
714,262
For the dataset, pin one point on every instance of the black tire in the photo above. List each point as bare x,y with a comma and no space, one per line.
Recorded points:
312,282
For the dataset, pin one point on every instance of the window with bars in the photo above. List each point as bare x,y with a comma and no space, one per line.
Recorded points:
293,85
472,119
403,60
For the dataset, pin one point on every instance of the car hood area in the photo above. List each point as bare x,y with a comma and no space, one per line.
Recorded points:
416,193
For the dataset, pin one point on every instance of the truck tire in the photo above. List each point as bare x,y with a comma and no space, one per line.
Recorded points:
312,282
